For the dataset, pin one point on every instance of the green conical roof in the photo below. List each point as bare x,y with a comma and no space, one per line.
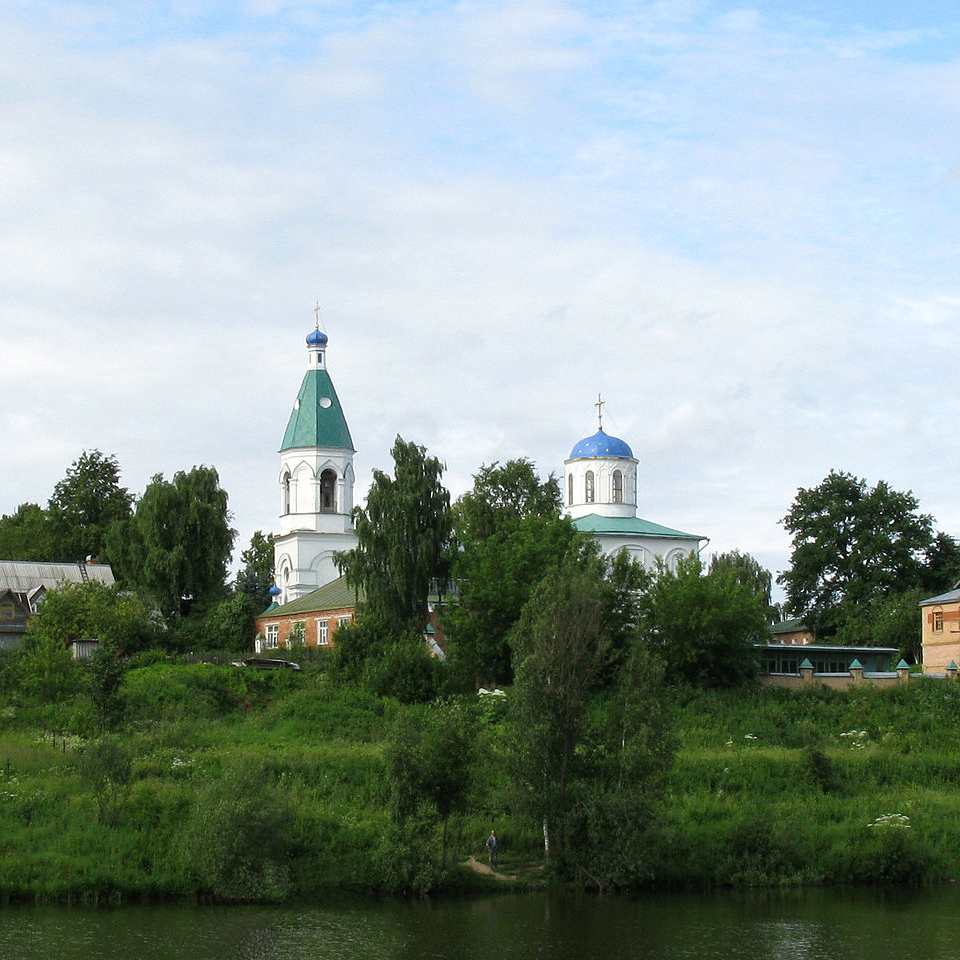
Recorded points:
317,419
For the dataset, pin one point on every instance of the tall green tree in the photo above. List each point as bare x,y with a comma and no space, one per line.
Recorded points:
746,570
429,757
703,626
510,532
852,545
941,564
27,534
177,544
85,504
887,621
403,535
561,651
255,577
624,755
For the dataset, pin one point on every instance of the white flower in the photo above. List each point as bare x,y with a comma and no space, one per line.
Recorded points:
899,821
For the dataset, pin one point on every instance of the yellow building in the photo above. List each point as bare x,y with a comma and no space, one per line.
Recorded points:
940,632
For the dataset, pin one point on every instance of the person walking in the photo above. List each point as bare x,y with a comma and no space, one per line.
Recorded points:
493,847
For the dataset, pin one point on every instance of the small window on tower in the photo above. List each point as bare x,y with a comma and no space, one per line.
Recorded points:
617,486
569,488
589,487
328,492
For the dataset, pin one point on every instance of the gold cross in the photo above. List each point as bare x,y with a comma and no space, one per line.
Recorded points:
316,314
599,405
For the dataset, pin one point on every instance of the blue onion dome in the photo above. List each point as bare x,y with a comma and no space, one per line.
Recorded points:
600,445
316,338
274,591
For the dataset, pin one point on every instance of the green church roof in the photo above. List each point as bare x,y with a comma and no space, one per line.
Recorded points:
335,595
629,526
317,418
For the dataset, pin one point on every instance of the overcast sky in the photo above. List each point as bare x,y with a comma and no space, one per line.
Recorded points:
741,224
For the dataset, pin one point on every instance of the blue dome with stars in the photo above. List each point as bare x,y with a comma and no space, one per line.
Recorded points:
316,338
600,445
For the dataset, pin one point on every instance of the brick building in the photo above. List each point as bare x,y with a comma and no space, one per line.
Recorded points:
940,631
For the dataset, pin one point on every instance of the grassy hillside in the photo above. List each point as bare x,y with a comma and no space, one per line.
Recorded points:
229,783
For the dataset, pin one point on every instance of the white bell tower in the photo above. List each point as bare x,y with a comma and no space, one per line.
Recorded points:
316,482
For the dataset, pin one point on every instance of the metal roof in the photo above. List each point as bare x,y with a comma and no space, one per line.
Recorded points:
630,526
317,419
825,648
22,576
331,596
600,446
947,597
789,626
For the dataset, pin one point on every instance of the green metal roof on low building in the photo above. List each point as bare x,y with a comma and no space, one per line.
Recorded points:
788,626
317,418
630,526
331,596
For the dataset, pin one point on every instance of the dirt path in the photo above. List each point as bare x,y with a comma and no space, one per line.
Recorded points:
478,867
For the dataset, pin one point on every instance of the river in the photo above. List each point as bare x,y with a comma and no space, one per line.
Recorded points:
863,924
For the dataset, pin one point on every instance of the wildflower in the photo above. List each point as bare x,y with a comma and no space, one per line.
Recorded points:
898,821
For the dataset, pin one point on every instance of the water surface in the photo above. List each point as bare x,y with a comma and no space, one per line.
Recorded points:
787,925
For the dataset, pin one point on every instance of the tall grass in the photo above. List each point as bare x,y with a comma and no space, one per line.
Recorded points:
248,785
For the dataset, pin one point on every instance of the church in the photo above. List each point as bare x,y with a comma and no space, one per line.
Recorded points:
315,485
600,497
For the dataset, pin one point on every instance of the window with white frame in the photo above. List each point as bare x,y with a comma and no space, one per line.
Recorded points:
272,636
341,621
938,621
323,633
617,486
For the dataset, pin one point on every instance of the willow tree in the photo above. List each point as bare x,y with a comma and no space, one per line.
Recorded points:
178,542
402,537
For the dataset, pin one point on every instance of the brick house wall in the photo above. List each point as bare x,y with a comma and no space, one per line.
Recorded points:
319,628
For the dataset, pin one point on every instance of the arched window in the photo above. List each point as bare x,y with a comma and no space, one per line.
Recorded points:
617,486
673,559
569,488
286,493
589,487
328,492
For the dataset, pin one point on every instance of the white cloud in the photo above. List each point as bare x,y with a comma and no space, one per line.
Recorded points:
742,235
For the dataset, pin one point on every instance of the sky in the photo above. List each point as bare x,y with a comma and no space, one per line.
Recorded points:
740,224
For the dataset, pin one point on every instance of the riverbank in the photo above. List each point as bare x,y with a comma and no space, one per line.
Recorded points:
226,784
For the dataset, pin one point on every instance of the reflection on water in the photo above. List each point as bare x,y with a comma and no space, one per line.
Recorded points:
781,925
